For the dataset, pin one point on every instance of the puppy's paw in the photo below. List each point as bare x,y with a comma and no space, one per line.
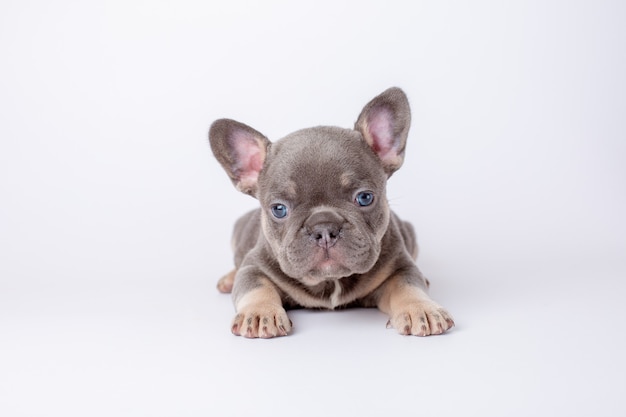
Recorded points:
261,320
225,284
421,318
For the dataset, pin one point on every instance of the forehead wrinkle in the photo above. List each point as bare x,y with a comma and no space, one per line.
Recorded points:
352,182
286,191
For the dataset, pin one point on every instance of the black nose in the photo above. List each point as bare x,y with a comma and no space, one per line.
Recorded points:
324,228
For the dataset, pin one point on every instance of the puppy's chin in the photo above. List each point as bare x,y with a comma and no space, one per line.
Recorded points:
326,270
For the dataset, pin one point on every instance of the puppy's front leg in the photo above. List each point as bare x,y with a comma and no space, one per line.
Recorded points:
410,309
259,307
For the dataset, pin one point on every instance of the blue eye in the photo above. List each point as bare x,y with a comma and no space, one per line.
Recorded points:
279,210
364,198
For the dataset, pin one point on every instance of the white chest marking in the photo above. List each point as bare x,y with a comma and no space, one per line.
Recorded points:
334,298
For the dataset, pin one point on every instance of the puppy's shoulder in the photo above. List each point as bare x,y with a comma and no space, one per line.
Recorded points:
405,232
245,234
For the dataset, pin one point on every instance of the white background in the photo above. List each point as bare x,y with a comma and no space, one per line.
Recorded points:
115,218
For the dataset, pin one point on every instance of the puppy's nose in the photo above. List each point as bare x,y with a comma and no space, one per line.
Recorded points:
326,234
324,228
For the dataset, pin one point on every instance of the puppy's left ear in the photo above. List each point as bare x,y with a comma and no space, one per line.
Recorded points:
384,123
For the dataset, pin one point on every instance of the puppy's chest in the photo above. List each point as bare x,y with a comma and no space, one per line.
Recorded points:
330,294
335,296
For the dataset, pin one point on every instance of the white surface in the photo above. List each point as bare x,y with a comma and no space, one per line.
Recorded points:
115,218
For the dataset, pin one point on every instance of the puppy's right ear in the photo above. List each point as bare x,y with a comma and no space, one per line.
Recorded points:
241,150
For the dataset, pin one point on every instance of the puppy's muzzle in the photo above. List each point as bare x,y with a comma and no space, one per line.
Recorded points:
324,228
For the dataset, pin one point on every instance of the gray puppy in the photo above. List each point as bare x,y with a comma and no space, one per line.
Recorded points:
324,236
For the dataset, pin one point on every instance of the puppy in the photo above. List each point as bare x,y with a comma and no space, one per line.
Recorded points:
324,236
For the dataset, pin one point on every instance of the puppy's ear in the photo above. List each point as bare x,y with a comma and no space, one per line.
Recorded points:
384,123
241,150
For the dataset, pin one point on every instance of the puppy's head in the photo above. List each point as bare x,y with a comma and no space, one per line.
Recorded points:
322,190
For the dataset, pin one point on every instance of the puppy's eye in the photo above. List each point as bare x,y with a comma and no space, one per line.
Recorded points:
364,198
279,211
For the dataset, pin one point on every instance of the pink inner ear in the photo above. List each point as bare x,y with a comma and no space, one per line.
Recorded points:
380,128
249,157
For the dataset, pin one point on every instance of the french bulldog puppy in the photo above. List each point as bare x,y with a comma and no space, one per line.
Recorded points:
324,236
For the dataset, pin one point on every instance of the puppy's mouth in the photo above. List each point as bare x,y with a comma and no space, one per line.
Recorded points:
326,263
327,247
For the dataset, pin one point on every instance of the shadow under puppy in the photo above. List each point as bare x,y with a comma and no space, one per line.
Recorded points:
324,236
